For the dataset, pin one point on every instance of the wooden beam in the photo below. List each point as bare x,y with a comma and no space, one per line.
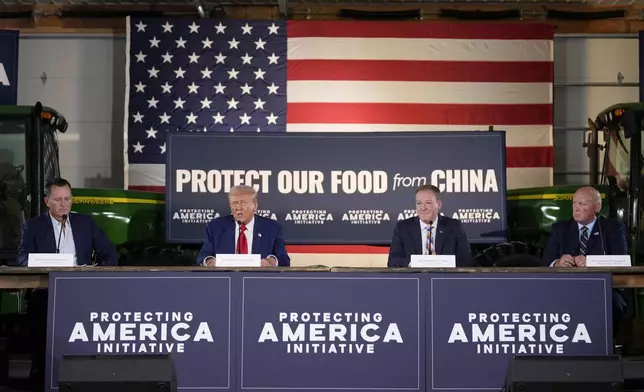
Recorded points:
52,23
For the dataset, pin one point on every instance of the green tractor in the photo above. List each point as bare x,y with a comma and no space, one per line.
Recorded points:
134,221
532,211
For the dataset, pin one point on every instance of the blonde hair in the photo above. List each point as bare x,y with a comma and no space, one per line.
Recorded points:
244,190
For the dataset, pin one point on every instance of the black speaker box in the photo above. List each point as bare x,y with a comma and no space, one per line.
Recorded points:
123,373
565,374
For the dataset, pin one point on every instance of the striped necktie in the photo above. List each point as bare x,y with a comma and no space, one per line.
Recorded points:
583,241
428,246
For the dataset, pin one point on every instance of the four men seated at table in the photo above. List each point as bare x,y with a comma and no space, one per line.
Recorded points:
60,230
245,232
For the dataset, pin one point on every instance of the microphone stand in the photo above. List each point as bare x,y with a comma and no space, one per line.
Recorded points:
60,234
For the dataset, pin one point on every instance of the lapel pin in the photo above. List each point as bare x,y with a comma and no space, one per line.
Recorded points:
259,234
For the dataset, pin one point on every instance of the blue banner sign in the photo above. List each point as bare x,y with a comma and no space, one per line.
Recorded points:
185,315
337,188
329,331
352,331
9,67
483,319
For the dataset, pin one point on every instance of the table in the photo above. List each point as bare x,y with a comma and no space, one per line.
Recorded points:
26,278
278,329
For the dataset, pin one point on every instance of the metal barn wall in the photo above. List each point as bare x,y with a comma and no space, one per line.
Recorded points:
83,77
587,80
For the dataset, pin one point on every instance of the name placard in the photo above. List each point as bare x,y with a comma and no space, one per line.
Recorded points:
238,260
608,261
50,260
433,261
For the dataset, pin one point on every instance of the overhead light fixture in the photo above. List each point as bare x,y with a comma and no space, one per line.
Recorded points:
200,9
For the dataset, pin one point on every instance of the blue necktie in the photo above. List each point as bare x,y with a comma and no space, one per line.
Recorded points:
583,242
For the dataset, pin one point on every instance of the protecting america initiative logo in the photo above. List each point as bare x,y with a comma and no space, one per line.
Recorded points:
519,333
140,332
330,333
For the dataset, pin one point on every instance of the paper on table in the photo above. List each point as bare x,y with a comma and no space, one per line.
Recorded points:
50,260
238,260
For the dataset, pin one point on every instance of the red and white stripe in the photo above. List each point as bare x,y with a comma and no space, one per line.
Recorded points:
420,76
445,76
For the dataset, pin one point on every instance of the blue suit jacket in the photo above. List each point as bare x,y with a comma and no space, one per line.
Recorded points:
608,237
38,237
564,239
451,239
267,239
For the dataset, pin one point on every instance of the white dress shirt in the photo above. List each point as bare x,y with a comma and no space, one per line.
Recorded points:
589,226
249,232
67,241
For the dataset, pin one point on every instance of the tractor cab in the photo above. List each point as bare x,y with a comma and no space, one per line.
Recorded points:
28,159
621,167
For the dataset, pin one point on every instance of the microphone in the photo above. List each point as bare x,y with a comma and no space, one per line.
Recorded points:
238,250
60,234
599,227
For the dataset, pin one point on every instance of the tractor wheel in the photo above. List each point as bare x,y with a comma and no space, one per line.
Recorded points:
510,254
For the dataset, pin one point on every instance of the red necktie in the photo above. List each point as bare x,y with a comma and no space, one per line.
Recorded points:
242,243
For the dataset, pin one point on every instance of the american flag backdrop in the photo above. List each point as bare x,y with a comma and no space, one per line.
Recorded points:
208,75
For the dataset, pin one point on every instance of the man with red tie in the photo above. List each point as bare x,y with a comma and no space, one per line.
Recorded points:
243,232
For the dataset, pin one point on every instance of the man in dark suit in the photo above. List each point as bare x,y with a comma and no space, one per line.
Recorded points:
261,235
429,233
65,231
587,234
58,231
